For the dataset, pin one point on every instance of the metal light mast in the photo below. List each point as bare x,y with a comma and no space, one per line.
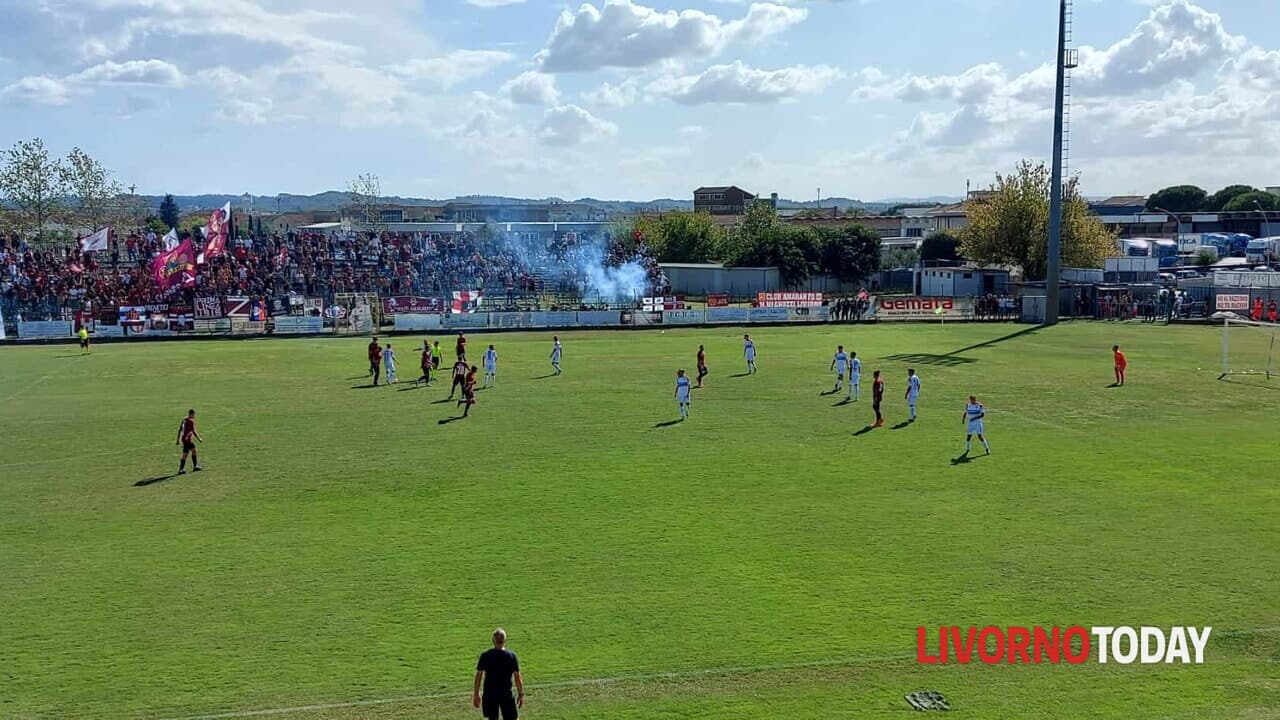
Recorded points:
1067,59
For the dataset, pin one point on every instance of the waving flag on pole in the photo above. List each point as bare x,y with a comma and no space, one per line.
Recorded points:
170,239
215,233
467,301
96,242
175,268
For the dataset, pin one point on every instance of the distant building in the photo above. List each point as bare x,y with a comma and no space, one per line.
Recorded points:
966,281
726,200
948,217
468,212
916,223
886,226
1119,205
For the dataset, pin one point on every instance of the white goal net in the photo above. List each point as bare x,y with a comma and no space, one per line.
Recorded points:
1248,348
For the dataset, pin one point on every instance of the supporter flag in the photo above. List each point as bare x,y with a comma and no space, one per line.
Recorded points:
467,301
170,240
215,233
175,268
95,242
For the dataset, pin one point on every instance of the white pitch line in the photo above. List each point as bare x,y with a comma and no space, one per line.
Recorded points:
582,682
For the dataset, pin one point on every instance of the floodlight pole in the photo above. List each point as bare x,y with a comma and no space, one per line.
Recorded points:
1053,272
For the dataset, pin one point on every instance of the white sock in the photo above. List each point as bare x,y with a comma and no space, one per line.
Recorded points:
986,445
966,446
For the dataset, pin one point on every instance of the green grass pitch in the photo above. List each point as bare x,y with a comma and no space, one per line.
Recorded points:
345,553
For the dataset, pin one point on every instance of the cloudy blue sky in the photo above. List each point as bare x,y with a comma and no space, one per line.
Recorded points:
640,98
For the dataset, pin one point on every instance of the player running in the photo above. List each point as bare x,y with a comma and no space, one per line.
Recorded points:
375,359
557,351
682,394
1122,363
702,364
913,392
187,437
490,367
855,376
974,413
749,351
877,395
84,341
460,347
389,360
459,378
425,364
839,363
468,390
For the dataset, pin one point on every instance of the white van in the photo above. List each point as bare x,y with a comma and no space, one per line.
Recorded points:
1263,250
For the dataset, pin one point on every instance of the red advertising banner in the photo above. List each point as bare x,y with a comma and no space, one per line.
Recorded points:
663,302
717,299
788,299
416,305
1232,302
922,308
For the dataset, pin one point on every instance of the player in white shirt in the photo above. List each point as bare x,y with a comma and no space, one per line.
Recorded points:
840,363
855,376
913,392
749,351
490,367
974,413
389,361
682,393
556,352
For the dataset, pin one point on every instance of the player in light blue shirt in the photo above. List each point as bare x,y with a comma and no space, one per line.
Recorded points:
556,352
855,376
840,363
682,393
913,392
749,351
490,367
974,414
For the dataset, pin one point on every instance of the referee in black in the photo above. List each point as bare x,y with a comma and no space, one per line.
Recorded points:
496,668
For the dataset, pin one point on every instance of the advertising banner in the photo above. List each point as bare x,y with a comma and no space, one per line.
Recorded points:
467,320
208,308
235,307
735,316
108,331
663,302
715,300
298,325
1232,302
788,299
220,326
511,319
922,308
682,317
768,314
44,329
639,317
417,322
313,307
132,318
1224,278
181,319
407,304
599,318
242,326
809,314
560,318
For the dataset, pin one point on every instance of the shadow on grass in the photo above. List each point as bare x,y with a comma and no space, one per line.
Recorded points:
443,401
358,377
59,357
543,377
668,423
902,425
412,387
365,387
954,358
966,458
455,418
843,402
864,430
155,480
740,375
1272,388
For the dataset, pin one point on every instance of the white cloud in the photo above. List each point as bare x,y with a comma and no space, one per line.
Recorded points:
609,96
692,132
737,83
36,90
624,34
493,3
138,72
451,69
243,112
531,88
571,125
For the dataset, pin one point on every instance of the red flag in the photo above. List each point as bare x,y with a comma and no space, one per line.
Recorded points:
215,233
176,268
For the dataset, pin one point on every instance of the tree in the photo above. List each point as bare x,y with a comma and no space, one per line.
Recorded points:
1218,201
366,195
1179,198
941,245
94,194
850,253
1205,258
1252,200
32,184
1010,226
169,211
763,242
688,237
901,258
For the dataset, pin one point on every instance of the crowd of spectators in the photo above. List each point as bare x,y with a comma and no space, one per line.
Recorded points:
48,282
995,307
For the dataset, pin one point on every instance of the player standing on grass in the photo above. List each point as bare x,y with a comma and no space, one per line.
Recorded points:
425,363
855,376
459,377
490,367
682,394
1122,363
460,347
913,392
437,356
375,359
702,364
187,437
877,395
496,668
974,413
468,391
389,359
556,353
84,341
839,363
749,352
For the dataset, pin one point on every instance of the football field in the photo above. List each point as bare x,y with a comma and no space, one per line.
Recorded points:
346,555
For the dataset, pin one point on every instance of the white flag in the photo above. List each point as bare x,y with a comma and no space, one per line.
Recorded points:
95,242
171,240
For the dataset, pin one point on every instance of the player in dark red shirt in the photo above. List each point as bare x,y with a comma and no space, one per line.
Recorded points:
468,391
877,395
459,378
702,364
426,363
461,347
187,437
375,359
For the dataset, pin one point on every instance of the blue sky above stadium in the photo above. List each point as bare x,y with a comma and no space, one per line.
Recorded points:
640,98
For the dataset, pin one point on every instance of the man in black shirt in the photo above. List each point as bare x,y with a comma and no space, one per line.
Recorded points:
496,668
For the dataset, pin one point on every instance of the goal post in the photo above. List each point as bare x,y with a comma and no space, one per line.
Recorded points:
1248,348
